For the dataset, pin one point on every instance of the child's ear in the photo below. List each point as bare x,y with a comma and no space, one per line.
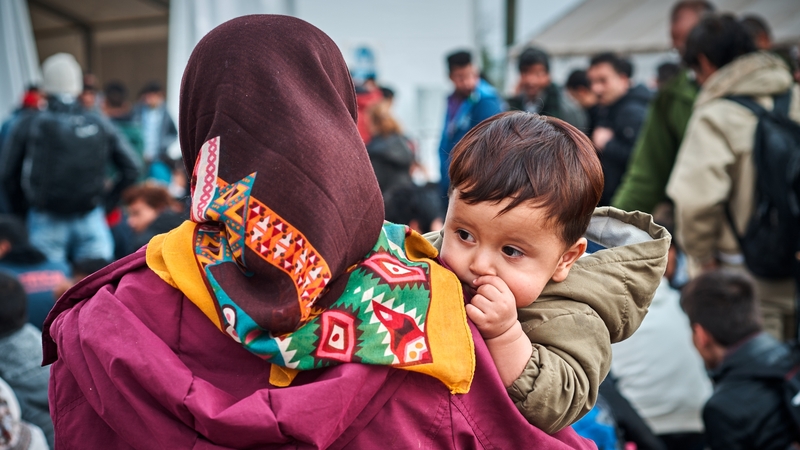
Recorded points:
568,259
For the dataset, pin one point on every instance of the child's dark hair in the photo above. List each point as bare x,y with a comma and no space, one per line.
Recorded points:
724,303
530,158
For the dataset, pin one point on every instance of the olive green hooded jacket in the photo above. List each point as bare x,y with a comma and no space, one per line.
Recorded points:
573,323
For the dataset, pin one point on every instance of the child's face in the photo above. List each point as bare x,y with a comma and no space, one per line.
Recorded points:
520,246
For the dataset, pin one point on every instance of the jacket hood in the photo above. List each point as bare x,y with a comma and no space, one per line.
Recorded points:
754,74
760,356
619,274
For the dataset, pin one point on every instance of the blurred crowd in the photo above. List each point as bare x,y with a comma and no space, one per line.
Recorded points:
87,177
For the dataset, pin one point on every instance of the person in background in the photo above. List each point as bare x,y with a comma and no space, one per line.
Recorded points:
150,211
666,72
714,169
118,110
760,33
158,132
15,433
621,113
538,94
368,94
419,207
758,30
389,151
55,166
745,411
38,276
472,101
388,94
21,356
32,101
580,90
645,181
88,97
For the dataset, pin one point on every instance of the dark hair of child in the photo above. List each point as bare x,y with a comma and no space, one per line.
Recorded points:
531,159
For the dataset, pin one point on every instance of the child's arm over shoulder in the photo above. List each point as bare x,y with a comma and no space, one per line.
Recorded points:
573,323
571,357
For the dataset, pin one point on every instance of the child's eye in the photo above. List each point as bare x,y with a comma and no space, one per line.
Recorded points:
465,236
511,251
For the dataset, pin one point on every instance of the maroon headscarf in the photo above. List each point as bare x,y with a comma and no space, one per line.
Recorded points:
272,96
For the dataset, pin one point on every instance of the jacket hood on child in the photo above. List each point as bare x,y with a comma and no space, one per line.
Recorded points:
573,323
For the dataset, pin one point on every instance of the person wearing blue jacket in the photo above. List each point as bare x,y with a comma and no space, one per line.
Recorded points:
472,101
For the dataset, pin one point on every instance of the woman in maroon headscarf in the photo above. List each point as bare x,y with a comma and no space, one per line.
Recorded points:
285,267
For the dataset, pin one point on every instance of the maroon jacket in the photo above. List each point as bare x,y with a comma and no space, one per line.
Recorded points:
138,365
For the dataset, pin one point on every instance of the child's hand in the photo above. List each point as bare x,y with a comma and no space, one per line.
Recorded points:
493,309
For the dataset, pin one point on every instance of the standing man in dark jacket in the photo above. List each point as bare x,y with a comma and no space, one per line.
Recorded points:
538,94
54,168
746,410
645,182
622,111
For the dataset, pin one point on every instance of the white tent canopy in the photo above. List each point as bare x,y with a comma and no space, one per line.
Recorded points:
642,26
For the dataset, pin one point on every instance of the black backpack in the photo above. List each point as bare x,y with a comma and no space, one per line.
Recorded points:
65,161
772,238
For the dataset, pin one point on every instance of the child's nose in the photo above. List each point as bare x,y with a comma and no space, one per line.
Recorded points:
482,265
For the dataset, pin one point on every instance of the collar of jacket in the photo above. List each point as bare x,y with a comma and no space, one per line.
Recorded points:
754,355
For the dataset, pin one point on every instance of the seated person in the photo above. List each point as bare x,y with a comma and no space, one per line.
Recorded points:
21,356
150,212
40,278
203,339
15,433
524,189
746,411
419,207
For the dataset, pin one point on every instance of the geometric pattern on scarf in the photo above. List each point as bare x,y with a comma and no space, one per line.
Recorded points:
379,319
248,223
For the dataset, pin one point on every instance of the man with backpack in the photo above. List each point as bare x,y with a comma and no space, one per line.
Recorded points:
731,184
748,409
55,165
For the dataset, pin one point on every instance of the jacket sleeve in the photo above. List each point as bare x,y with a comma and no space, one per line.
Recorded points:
571,357
626,128
700,185
13,153
124,159
645,181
